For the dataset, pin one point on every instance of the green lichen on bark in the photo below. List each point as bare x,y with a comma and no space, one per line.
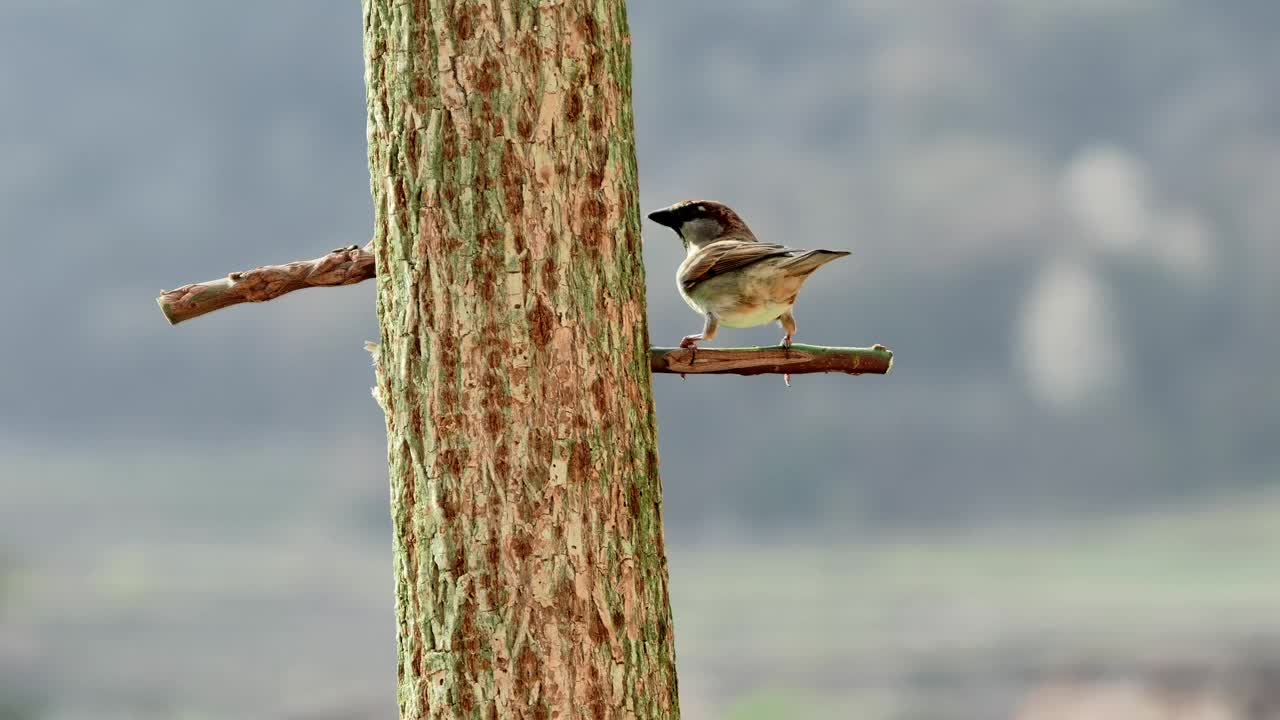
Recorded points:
531,576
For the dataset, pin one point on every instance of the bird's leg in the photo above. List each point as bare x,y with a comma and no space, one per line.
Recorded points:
788,322
690,342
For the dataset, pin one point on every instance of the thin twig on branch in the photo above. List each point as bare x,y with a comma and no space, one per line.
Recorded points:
353,264
776,360
343,266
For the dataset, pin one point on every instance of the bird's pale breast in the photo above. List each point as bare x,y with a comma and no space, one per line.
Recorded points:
755,295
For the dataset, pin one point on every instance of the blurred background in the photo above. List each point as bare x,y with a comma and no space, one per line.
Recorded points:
1064,503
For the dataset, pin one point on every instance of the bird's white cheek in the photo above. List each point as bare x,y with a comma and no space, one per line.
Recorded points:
699,231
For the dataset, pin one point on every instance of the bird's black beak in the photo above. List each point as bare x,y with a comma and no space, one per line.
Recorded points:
664,217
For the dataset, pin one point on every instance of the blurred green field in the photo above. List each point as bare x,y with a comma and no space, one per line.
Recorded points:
938,628
285,587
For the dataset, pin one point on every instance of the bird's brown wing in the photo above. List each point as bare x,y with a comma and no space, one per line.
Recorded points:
725,256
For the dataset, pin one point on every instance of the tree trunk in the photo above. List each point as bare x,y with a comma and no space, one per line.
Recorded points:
531,577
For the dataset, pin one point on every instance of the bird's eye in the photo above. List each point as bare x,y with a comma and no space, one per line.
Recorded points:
702,208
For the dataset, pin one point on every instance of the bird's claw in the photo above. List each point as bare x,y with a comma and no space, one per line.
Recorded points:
690,343
786,352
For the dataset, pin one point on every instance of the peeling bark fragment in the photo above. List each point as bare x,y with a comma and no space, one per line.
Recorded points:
513,365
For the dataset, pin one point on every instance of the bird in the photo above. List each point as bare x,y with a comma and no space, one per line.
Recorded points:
731,277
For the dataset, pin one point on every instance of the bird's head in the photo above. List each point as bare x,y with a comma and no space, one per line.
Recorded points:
699,222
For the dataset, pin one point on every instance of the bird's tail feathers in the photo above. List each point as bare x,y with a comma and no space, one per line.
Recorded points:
807,262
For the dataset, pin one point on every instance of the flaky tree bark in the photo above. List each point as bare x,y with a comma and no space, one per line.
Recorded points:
531,578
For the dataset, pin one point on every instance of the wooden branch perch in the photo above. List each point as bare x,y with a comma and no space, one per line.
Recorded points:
343,266
777,360
353,264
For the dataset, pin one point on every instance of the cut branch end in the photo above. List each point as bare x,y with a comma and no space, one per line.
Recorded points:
775,360
342,266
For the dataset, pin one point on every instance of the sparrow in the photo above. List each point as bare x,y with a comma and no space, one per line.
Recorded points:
730,277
